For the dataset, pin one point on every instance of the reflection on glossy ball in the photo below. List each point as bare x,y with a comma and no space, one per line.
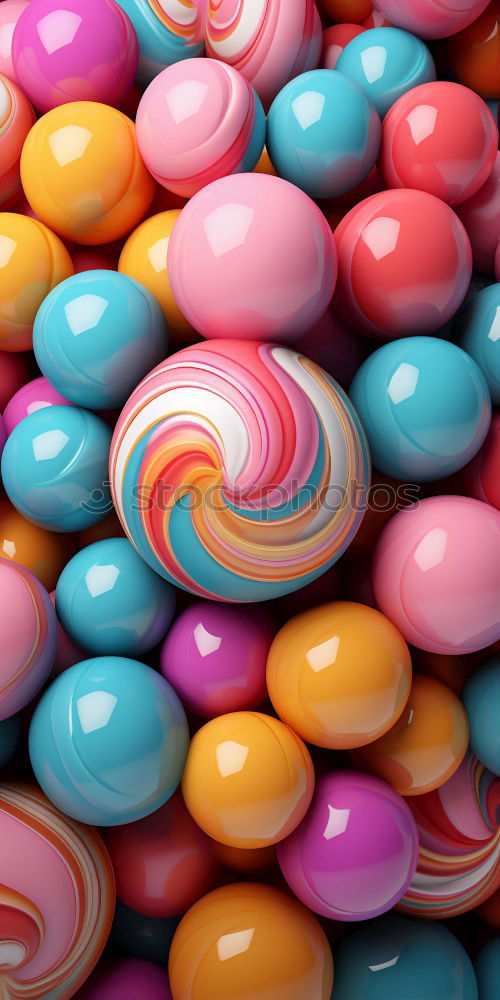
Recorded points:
386,63
16,118
431,18
44,553
28,637
31,396
477,326
168,30
474,53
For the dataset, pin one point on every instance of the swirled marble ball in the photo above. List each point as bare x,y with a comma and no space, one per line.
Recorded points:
57,897
235,468
168,31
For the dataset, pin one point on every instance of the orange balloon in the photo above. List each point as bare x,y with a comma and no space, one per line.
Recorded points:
352,11
339,675
426,746
43,552
250,941
248,779
474,53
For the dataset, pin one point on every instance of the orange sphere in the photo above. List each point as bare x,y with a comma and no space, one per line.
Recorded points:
82,173
250,940
45,553
426,746
339,675
248,779
474,53
32,261
353,11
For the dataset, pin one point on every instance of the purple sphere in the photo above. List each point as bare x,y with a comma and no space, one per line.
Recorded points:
355,852
30,397
215,657
126,979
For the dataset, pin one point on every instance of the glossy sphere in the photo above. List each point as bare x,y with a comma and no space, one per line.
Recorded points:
386,63
16,118
28,630
74,50
480,215
199,120
57,897
474,53
126,977
168,31
440,138
339,675
215,657
425,406
248,779
163,863
10,12
268,43
347,10
335,40
110,601
488,969
42,552
32,261
282,955
398,957
54,468
354,854
322,133
10,733
96,335
427,744
480,478
431,18
259,423
479,327
404,264
15,371
82,173
481,697
98,757
34,395
421,555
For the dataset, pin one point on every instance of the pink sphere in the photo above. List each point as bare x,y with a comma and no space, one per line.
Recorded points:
126,979
16,118
441,138
251,257
28,637
215,657
74,50
32,396
405,264
431,18
480,215
10,12
436,574
199,120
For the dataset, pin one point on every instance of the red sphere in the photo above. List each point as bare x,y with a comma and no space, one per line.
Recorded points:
335,40
481,218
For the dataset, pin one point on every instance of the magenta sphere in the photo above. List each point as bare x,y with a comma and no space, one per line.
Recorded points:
74,50
32,396
251,257
436,574
126,979
10,12
215,657
355,852
431,18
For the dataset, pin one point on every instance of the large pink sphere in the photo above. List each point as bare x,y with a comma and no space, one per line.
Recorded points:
431,18
28,637
32,396
480,215
436,574
126,979
10,12
251,257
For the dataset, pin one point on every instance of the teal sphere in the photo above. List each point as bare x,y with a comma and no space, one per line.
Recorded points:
481,697
488,970
478,326
386,63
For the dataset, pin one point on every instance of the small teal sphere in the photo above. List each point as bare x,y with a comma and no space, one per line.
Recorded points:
110,601
488,970
96,335
481,697
158,46
10,733
108,741
478,326
424,405
55,468
399,958
322,133
386,63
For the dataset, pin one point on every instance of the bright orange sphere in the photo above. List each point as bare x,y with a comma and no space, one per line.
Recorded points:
82,173
45,553
474,53
250,940
339,675
248,779
426,746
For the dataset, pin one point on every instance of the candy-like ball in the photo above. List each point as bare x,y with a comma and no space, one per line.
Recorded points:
481,697
251,493
108,741
478,325
386,63
480,215
83,175
431,18
480,477
168,31
16,119
10,12
436,574
54,468
96,335
474,53
335,40
130,978
44,553
32,396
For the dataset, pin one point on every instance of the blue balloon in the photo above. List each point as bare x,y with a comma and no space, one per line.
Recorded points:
158,46
110,601
10,733
322,133
424,405
481,697
488,970
108,741
478,327
55,468
386,63
96,335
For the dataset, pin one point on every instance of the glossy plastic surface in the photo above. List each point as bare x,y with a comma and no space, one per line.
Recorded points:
431,18
355,853
248,779
488,969
15,371
82,173
481,697
425,407
10,734
32,396
96,335
386,63
95,755
480,215
250,940
335,40
215,657
28,629
444,545
132,978
478,325
10,12
339,675
16,118
480,478
54,468
168,31
252,257
474,53
44,553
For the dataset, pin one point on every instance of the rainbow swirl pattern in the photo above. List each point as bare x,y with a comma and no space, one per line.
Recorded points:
239,470
183,18
56,898
459,830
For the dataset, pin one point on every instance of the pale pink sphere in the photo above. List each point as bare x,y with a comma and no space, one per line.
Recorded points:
32,396
436,574
10,11
431,18
481,218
